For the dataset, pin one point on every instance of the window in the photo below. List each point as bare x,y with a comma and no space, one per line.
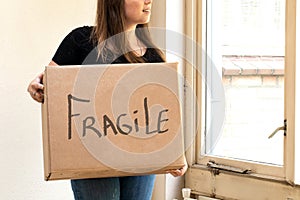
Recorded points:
245,43
248,67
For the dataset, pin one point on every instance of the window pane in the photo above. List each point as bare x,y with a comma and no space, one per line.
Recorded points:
246,45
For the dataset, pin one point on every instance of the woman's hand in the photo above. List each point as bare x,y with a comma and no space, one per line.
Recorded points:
36,88
179,172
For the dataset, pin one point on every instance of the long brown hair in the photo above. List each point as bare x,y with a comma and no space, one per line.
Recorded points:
110,21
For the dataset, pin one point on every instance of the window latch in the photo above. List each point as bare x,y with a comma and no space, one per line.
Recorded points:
282,128
211,164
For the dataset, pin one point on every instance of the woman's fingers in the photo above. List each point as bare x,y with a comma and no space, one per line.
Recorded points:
178,172
36,88
38,96
36,92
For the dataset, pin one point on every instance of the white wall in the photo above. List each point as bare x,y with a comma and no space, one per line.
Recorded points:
175,22
167,187
31,30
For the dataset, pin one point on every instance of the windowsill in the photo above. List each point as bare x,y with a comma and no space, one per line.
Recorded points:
223,184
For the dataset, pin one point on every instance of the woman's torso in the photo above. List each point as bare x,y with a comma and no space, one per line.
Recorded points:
77,48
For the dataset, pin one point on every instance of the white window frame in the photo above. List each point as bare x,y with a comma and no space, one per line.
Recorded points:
278,180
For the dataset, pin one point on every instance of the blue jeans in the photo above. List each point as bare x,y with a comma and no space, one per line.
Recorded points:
116,188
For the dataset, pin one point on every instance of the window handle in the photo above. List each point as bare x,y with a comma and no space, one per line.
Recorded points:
215,166
282,128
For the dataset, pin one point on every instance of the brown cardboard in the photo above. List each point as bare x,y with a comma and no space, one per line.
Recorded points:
111,120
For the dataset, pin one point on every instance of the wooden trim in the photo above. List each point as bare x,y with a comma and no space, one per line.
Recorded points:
297,110
290,78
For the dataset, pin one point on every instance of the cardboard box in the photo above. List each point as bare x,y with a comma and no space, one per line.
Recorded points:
111,120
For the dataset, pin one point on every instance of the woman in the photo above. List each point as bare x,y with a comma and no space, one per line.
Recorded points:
114,17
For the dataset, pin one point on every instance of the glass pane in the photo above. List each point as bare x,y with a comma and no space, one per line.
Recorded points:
245,43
